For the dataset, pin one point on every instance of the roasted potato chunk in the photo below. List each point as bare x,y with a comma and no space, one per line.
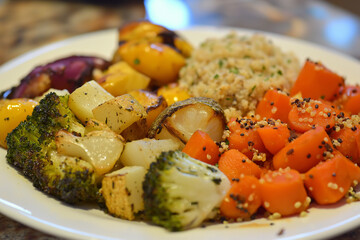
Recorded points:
122,191
120,112
158,61
153,104
173,93
85,98
120,78
145,151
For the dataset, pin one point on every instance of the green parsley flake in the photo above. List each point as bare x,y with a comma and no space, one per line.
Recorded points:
252,90
234,70
221,63
137,61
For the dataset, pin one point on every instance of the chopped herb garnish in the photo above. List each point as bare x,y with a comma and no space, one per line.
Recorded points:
234,70
221,63
252,90
136,61
216,76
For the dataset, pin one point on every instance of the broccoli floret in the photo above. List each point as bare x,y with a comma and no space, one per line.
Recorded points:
32,150
181,192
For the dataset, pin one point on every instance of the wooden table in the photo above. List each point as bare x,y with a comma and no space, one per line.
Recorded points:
25,25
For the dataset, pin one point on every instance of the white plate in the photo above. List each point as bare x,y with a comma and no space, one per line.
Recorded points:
21,201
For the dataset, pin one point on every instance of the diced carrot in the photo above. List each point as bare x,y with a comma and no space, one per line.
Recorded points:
351,99
245,138
243,199
317,82
283,192
308,113
234,164
353,170
304,152
352,105
347,140
329,181
274,137
200,146
275,104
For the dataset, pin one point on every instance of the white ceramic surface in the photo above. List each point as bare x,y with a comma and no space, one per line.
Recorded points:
21,201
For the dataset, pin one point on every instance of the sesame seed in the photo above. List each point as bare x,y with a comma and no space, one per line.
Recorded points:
291,151
332,185
297,204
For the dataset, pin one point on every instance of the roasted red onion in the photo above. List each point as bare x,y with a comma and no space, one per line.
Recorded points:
66,73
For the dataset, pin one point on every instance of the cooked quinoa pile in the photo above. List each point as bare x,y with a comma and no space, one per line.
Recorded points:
237,70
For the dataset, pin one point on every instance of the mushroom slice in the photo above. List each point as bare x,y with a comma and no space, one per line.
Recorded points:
183,118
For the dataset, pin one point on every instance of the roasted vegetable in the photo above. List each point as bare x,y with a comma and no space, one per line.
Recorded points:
152,50
180,192
122,191
173,93
153,33
66,73
85,98
120,112
158,61
153,104
100,148
145,151
120,78
32,149
181,119
12,112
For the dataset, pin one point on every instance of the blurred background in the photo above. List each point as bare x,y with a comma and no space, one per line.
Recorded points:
27,24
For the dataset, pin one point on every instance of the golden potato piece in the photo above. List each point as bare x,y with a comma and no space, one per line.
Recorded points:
85,98
156,60
121,78
139,30
173,93
153,104
120,112
122,191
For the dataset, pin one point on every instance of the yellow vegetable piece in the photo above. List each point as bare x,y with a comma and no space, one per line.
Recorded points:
121,78
156,60
12,112
153,104
184,47
173,93
141,29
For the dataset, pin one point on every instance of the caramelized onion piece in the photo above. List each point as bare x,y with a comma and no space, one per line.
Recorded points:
66,73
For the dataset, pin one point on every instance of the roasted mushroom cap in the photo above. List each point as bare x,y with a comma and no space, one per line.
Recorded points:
181,119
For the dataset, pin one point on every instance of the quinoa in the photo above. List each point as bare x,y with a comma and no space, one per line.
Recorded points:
237,70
